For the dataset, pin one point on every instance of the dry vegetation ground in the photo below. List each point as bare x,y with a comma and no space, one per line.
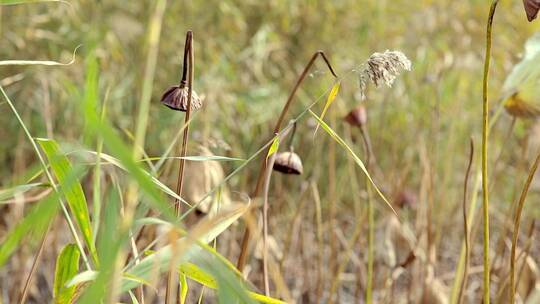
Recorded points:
248,55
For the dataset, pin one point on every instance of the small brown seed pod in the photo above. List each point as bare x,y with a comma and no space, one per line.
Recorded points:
176,98
357,117
288,163
406,198
531,8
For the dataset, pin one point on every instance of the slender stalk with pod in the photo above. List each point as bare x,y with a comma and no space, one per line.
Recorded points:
270,161
358,118
247,233
182,98
485,118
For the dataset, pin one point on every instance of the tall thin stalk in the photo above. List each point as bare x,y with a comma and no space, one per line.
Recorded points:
465,224
247,233
371,218
185,137
517,220
188,68
267,174
485,124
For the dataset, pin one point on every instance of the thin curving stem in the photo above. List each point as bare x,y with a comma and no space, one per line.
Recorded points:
247,233
465,224
517,220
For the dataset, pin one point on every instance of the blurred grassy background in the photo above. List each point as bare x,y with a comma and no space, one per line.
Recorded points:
248,55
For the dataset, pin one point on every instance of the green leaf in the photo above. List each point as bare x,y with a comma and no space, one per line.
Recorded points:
36,221
124,155
183,288
274,147
73,193
8,193
110,240
85,276
356,159
67,266
329,101
198,275
204,232
120,164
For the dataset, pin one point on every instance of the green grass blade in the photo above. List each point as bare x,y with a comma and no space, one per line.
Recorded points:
67,266
331,97
124,155
183,288
274,147
46,171
230,287
35,223
85,276
154,34
199,275
8,193
359,162
204,232
74,193
109,243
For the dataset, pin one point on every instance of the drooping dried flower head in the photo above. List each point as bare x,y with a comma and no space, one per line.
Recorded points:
383,68
288,163
531,8
357,117
176,98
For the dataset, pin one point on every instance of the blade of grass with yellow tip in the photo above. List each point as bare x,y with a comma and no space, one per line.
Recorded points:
357,160
199,275
274,147
205,231
331,97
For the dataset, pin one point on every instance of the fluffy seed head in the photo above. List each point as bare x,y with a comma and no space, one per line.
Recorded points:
383,68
